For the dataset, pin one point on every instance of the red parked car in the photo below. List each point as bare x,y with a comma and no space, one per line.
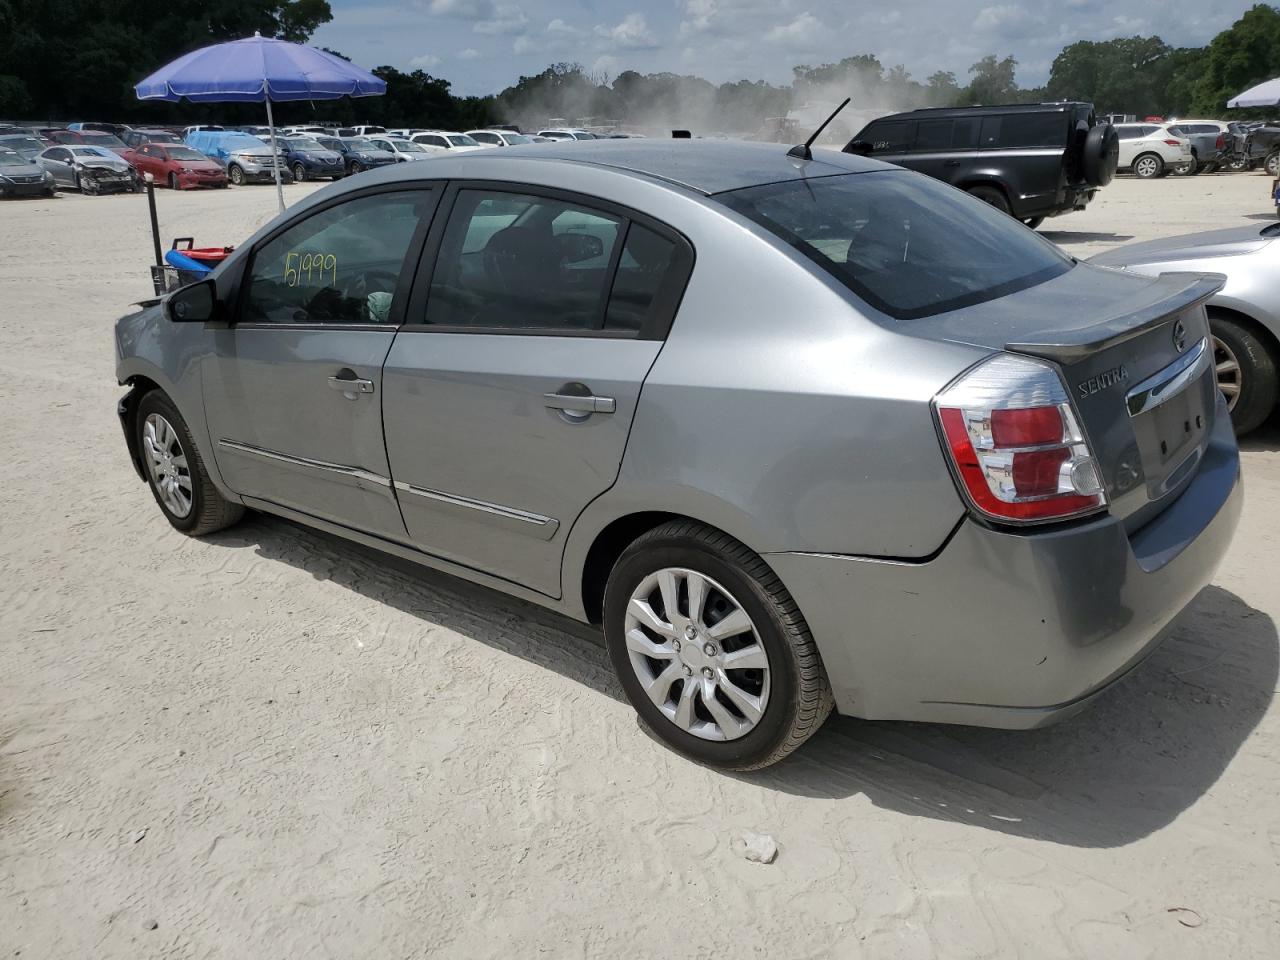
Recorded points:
177,165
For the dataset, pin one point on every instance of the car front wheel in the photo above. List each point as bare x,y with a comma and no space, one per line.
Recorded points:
176,472
299,173
1148,167
1246,373
236,175
711,650
1272,163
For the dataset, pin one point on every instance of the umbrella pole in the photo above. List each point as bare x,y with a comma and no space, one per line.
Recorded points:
275,155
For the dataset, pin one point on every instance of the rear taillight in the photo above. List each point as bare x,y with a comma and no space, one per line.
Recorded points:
1016,445
1221,142
1174,143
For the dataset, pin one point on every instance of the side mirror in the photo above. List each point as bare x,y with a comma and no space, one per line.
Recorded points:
860,148
580,247
195,303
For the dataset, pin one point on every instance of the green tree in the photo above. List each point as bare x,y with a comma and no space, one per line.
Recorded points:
993,82
941,89
1246,53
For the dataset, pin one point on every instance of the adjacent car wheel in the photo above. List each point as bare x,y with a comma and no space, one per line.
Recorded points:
992,195
711,650
1272,163
1148,166
173,182
176,473
356,166
236,175
1033,222
299,173
1246,373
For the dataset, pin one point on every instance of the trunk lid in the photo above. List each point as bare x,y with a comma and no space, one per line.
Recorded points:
1137,361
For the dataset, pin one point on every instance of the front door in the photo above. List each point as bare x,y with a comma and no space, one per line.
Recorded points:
510,389
944,148
294,392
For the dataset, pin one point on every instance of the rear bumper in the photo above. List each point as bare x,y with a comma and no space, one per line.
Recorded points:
1008,629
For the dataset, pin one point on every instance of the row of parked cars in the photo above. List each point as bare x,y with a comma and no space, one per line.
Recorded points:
98,158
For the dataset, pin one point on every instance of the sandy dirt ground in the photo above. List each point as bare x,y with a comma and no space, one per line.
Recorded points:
271,743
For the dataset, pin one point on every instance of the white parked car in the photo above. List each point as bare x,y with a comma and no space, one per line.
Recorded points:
441,141
568,133
403,149
365,131
1151,150
498,138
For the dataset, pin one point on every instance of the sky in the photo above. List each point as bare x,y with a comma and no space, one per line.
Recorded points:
482,46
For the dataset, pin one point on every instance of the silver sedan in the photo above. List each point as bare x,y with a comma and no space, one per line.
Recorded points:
1244,315
799,433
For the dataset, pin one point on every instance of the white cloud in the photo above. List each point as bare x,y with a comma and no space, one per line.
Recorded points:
471,53
606,65
804,31
463,9
560,30
425,62
504,18
632,33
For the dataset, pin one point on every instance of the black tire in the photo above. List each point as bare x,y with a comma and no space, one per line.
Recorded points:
1210,167
800,696
1033,222
173,182
299,173
1272,163
1236,164
1101,154
1258,383
992,195
1148,166
357,166
236,175
210,511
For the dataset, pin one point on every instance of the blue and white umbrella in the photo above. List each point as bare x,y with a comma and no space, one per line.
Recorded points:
259,70
1266,94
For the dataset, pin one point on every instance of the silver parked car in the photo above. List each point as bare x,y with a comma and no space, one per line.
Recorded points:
1244,316
89,169
796,432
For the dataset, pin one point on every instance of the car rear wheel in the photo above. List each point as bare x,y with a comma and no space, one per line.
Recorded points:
1246,373
299,173
1210,167
176,473
711,650
992,195
173,182
1033,222
236,175
1272,163
1148,166
357,166
1236,164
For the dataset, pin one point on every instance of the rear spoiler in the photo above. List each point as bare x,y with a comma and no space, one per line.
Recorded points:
1185,291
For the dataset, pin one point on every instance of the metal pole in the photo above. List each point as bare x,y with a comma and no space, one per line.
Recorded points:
155,223
275,154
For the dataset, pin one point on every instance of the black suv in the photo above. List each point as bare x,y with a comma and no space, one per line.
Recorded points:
1031,160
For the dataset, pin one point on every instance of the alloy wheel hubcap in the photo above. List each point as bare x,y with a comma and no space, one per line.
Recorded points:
167,463
697,654
1147,167
1226,367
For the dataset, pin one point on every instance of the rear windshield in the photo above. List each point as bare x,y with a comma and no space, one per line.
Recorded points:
908,245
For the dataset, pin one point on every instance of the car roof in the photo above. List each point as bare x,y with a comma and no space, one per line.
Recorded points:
706,166
934,112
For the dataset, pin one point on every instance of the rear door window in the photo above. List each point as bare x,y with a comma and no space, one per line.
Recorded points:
934,135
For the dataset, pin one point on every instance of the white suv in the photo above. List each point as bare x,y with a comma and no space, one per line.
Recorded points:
438,141
498,138
1150,150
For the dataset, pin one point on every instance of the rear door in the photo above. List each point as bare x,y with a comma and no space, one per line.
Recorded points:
293,392
509,392
944,148
1026,152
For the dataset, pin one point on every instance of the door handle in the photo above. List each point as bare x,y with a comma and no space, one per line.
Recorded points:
579,404
351,387
951,163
